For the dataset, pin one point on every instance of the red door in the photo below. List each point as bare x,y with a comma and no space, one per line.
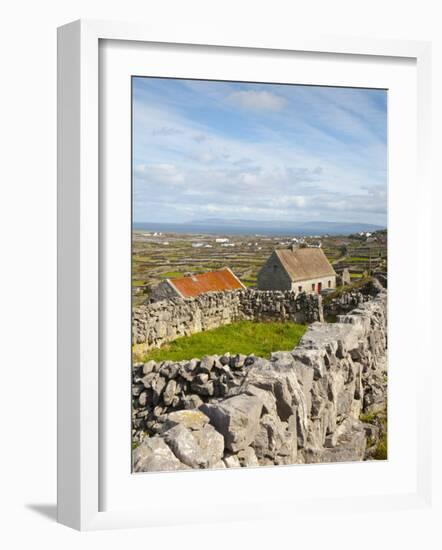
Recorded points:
319,288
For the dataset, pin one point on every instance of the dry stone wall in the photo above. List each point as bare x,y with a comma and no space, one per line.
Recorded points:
351,298
160,322
301,406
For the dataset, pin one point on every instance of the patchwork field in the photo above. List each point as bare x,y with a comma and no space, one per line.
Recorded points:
157,256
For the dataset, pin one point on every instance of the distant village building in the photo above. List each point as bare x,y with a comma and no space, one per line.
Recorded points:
297,269
194,285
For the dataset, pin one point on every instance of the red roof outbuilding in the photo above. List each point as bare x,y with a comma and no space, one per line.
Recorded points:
212,281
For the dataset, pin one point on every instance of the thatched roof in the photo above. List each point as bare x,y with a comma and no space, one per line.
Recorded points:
211,281
305,263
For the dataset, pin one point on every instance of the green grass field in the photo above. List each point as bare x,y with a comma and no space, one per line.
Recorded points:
245,337
355,260
171,274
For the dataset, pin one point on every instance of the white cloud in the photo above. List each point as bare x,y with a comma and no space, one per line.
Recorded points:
205,157
280,167
247,178
257,100
166,131
199,138
162,173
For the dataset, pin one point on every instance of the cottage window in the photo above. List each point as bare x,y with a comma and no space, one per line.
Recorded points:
329,284
313,286
299,288
275,268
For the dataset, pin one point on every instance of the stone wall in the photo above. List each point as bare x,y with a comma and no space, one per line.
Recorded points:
301,406
348,299
160,322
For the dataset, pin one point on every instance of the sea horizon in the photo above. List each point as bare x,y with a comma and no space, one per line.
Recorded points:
253,229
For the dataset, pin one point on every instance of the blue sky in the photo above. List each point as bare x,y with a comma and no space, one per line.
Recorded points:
230,150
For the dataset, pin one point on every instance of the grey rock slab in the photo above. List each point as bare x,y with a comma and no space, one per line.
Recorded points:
236,418
149,367
350,446
171,370
232,461
159,386
237,361
191,419
206,364
169,392
154,455
192,401
149,379
201,378
267,398
247,457
142,400
211,443
282,382
313,358
197,449
270,437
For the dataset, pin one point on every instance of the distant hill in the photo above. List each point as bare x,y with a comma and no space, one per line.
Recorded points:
255,227
300,228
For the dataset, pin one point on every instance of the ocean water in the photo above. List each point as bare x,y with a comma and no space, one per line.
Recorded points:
254,228
209,229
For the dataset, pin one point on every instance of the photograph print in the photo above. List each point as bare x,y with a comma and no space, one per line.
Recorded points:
259,274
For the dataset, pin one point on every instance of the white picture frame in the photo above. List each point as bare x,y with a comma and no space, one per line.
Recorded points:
80,295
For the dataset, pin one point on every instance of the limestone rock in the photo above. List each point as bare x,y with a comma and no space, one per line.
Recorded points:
232,461
247,457
236,418
270,437
211,443
350,446
206,364
198,449
237,361
153,455
206,388
169,392
191,419
149,367
281,381
310,398
267,398
158,386
192,401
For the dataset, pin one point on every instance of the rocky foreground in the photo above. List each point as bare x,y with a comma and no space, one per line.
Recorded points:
302,406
